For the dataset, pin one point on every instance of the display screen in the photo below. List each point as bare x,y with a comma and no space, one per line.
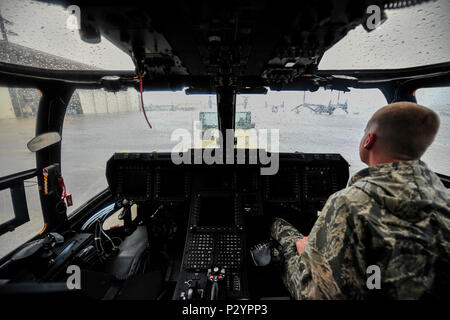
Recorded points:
171,183
246,181
283,185
216,211
319,184
135,184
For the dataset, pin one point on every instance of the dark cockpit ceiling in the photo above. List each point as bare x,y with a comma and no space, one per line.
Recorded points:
203,44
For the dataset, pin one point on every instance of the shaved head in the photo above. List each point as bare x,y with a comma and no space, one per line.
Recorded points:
404,130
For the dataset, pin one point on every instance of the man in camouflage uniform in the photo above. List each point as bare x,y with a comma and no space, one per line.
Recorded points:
395,215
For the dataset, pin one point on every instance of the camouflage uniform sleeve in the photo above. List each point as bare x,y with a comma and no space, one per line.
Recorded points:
286,235
332,265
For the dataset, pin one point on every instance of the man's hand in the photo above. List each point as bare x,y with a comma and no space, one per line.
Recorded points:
300,244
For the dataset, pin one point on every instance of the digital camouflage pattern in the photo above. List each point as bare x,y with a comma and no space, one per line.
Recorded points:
395,216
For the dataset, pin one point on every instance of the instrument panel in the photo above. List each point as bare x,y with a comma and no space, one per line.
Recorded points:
229,207
303,180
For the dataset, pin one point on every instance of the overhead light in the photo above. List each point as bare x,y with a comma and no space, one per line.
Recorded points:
289,64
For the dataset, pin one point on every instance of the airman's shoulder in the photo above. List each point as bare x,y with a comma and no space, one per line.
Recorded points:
352,195
351,201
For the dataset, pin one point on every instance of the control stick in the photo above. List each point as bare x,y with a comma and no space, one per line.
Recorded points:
215,276
125,215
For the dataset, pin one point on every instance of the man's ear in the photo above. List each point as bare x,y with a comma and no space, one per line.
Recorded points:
370,140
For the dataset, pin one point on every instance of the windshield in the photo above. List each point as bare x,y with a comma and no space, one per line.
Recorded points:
99,123
18,107
37,34
437,154
333,122
410,37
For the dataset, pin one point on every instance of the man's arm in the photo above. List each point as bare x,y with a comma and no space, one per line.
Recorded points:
286,237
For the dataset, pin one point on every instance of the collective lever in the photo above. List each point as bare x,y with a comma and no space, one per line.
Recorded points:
215,276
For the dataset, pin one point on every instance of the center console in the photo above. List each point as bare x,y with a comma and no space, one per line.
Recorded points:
213,265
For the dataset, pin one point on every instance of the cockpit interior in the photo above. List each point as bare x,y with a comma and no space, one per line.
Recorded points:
163,230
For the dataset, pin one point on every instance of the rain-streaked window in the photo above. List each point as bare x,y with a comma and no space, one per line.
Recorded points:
99,123
410,37
36,34
324,121
438,99
18,108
